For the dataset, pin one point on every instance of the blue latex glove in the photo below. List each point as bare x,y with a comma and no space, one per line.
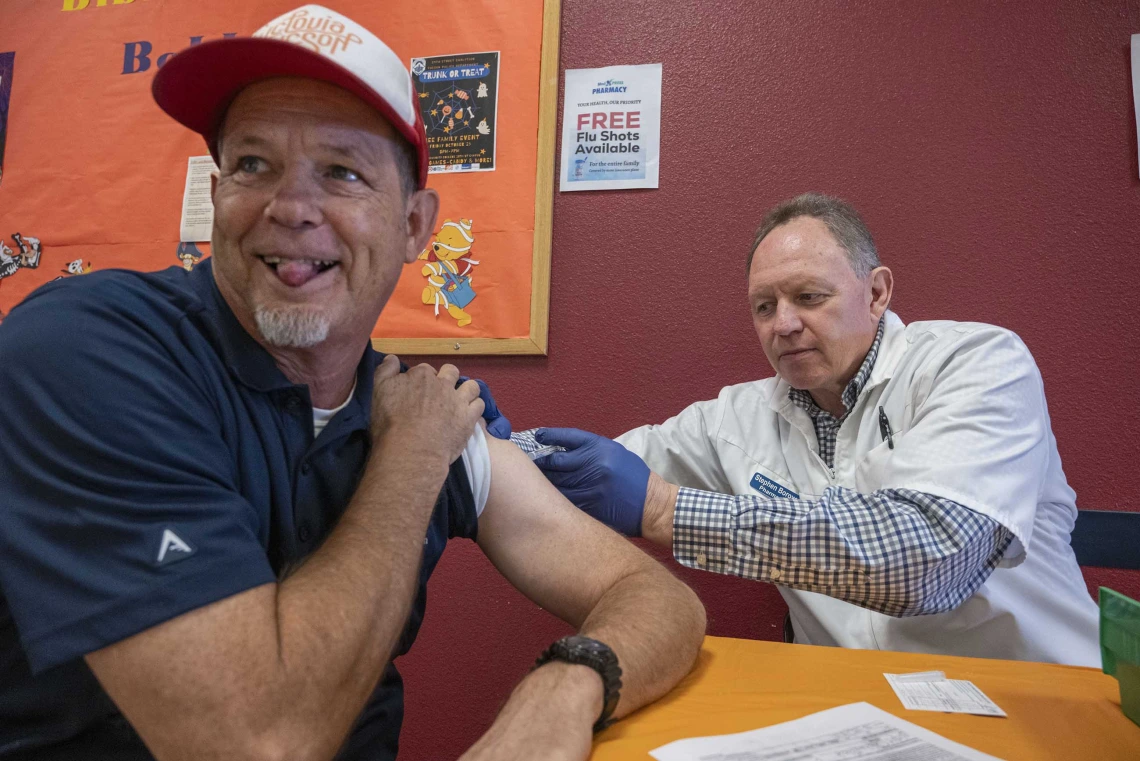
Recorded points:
600,476
497,424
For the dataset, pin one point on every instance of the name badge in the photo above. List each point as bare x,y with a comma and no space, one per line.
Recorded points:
770,488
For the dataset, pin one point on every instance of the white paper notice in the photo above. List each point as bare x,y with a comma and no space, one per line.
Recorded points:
1136,82
932,691
197,208
611,128
856,732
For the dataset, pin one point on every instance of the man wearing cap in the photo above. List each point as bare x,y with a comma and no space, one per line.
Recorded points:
246,601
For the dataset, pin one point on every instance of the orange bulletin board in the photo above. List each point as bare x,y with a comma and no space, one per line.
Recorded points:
95,172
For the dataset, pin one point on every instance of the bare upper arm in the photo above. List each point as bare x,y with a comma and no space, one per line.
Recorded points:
556,555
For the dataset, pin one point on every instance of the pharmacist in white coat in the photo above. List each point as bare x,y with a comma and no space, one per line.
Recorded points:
899,483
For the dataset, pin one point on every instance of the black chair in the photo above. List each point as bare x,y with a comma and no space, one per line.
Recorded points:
1107,538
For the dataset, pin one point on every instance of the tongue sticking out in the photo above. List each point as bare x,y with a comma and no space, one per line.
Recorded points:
296,273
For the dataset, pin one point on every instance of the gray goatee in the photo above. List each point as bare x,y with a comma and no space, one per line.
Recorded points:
291,328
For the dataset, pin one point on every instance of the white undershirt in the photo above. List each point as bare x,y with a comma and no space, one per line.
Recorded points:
321,417
477,460
476,456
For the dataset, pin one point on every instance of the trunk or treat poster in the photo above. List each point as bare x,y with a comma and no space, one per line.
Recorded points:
458,97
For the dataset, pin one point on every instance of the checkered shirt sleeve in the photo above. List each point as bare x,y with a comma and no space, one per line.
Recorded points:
896,551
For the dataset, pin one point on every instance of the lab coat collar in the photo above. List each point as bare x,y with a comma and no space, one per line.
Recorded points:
891,351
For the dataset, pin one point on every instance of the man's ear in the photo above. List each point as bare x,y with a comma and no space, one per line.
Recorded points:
882,286
422,210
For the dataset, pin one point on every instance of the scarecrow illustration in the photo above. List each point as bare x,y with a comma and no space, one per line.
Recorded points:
447,284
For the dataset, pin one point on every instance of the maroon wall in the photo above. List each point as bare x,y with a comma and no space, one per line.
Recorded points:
991,148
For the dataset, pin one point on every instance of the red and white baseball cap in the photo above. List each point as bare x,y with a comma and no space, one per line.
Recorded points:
197,85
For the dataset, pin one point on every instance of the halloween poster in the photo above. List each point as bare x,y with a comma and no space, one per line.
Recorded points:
457,95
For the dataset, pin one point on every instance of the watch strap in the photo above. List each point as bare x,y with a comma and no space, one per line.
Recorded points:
585,651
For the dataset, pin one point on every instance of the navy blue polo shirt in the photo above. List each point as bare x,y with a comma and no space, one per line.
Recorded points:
154,459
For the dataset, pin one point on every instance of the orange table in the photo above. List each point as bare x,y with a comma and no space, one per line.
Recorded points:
1055,712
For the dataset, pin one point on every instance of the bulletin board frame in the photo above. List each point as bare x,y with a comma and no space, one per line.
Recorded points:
536,342
130,169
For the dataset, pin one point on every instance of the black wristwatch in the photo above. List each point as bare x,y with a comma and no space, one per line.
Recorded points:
598,656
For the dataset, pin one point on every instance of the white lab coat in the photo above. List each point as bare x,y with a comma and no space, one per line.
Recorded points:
967,408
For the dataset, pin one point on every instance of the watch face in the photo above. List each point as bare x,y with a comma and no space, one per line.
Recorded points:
578,643
587,649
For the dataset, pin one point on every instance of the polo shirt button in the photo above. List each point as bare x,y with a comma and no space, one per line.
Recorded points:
304,534
775,573
702,560
292,403
306,468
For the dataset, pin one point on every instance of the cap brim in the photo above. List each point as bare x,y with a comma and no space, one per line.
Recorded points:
197,85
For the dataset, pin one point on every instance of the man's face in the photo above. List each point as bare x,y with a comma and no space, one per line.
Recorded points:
815,318
311,226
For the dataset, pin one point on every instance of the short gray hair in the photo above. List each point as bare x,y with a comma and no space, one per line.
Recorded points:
842,221
407,165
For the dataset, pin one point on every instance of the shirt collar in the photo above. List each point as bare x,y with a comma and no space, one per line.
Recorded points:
878,364
891,350
248,360
855,386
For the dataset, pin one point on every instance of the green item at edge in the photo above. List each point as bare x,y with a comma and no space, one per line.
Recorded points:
1120,647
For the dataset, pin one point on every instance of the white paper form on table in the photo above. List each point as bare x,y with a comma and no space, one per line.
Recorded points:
855,732
932,691
197,206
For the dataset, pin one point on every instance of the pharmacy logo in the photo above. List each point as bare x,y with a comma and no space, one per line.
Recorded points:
610,85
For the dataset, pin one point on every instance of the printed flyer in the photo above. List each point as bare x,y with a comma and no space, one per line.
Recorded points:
458,97
7,61
611,128
1135,87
